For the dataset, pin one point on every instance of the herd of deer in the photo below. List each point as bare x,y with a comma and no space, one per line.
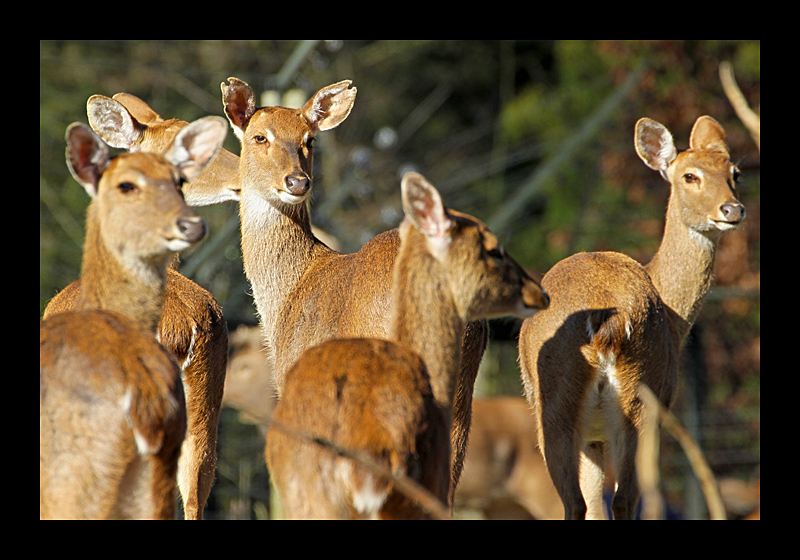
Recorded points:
374,352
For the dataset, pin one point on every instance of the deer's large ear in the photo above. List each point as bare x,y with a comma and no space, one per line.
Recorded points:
113,122
654,145
138,109
239,102
424,209
87,156
196,145
330,106
708,134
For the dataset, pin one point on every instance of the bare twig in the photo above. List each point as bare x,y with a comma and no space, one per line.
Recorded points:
749,118
693,452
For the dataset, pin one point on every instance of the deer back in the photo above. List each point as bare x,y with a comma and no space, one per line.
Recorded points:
392,400
371,397
111,421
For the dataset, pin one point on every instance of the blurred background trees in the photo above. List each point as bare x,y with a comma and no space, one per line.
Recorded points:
533,137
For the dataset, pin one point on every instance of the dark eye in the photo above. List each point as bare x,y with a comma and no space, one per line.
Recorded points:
736,175
127,188
260,139
689,178
496,252
310,142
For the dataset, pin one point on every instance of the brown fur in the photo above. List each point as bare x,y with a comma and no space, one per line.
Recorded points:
614,323
390,417
127,122
504,475
192,326
93,468
112,409
379,397
305,292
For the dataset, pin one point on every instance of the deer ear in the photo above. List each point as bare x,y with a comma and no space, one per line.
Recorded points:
196,145
87,156
707,134
330,106
138,109
240,104
654,145
112,121
424,209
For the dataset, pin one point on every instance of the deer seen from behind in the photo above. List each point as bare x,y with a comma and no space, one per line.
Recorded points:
306,293
614,323
392,399
112,414
192,325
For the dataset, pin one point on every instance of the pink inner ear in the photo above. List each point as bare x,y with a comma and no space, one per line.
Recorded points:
83,154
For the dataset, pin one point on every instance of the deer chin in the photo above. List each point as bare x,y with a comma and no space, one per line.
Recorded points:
724,225
177,244
288,198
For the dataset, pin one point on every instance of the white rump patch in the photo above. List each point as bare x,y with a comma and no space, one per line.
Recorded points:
366,496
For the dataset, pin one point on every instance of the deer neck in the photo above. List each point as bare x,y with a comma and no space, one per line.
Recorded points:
682,270
134,289
426,320
277,248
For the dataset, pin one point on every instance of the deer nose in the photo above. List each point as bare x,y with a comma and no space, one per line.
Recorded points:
733,212
298,185
192,229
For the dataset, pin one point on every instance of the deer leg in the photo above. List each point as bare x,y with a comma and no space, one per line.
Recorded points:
626,497
197,464
559,442
474,343
592,477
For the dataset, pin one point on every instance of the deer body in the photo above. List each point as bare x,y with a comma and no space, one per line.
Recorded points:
614,323
306,293
392,400
386,414
116,456
112,409
191,324
504,475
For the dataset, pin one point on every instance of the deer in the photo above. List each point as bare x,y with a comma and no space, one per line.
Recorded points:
112,412
305,292
614,323
248,381
392,399
504,473
192,323
125,121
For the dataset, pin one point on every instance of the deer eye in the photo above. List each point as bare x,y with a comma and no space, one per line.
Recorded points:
310,142
690,178
261,139
496,252
127,188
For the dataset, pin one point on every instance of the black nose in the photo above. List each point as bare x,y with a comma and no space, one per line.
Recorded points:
733,213
192,229
298,185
